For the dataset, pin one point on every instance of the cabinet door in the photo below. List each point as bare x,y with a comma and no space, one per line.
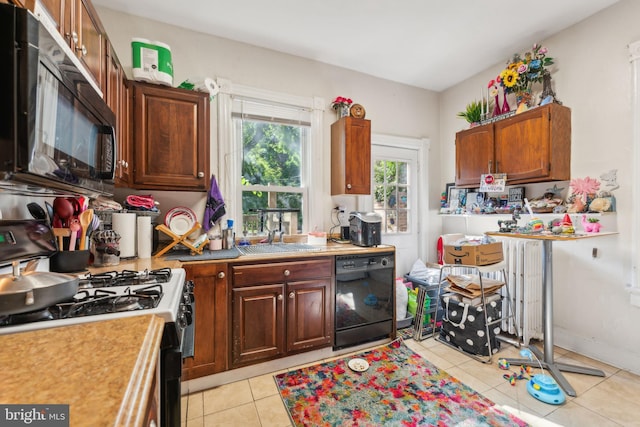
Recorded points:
123,177
91,43
351,156
522,145
258,324
309,315
535,145
170,138
474,155
210,344
113,83
56,10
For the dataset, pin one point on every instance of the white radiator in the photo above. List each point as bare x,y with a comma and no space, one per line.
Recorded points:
524,278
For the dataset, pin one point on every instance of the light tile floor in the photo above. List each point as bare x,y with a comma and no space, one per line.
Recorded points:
612,400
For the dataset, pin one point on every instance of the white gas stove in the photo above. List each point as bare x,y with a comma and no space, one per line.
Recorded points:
32,300
113,295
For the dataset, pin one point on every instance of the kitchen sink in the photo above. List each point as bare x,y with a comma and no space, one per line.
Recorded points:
277,248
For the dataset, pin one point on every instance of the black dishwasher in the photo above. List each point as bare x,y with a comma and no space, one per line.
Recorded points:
365,298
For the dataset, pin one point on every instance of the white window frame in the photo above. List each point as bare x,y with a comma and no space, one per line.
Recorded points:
230,155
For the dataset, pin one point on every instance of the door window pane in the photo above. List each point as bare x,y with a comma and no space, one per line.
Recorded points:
391,190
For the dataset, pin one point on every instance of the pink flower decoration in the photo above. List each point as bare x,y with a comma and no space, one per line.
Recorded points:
523,68
584,186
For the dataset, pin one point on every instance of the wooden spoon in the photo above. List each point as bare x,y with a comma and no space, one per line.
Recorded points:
61,233
85,218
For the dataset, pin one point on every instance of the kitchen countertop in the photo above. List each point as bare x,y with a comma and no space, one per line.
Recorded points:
331,249
105,379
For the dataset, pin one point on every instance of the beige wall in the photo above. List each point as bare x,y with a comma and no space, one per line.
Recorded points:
393,108
593,314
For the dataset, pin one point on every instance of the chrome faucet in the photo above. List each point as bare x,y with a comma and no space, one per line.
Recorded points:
271,234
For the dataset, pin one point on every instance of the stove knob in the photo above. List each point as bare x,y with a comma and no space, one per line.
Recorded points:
187,298
189,286
186,308
186,319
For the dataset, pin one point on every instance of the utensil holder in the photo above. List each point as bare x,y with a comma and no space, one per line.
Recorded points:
69,261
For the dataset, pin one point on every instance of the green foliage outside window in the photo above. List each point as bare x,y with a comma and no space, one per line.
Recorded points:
271,157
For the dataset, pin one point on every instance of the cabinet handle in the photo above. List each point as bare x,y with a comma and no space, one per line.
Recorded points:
221,275
348,186
82,49
74,37
286,273
292,295
490,162
280,297
497,166
200,174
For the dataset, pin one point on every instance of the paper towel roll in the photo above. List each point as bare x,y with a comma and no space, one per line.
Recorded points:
125,225
211,86
145,237
201,84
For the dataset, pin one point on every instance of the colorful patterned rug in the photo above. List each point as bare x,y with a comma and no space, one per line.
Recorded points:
400,388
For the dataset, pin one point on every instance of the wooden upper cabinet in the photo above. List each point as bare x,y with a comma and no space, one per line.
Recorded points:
534,146
78,23
474,154
170,138
351,156
91,44
116,94
58,13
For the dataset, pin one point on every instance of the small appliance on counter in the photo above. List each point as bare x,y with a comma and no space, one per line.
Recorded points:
364,228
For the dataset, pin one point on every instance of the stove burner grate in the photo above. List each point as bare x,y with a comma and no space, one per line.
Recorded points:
103,301
125,278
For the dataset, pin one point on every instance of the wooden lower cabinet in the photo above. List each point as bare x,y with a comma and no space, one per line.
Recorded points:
258,324
280,309
211,324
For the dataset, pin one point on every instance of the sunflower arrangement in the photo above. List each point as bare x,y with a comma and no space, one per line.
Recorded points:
524,70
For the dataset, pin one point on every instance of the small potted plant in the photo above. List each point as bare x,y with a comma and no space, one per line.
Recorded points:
591,224
473,112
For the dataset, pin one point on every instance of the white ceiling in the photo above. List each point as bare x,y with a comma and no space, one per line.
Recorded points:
432,44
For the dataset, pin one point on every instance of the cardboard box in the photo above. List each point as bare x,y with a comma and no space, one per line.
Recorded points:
473,254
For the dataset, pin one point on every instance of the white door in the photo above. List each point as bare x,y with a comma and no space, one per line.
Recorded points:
396,188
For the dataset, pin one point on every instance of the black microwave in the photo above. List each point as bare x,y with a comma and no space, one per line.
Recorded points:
56,131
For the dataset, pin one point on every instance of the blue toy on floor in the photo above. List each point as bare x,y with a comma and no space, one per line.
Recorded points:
543,387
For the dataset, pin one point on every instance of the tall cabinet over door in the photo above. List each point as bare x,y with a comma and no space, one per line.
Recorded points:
351,156
170,138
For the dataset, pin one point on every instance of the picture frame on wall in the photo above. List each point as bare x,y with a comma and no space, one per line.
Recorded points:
475,201
448,187
457,197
